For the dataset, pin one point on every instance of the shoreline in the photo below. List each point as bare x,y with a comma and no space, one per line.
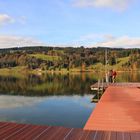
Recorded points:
24,70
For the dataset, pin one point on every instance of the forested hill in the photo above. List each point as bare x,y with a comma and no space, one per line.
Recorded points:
69,58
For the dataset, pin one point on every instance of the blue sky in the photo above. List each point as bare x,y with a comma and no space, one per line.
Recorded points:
111,23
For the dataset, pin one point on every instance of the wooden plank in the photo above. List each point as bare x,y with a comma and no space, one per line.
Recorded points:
9,132
106,135
84,135
123,136
113,136
61,134
92,135
99,135
15,132
50,133
22,134
7,128
30,133
120,136
41,133
4,125
75,134
127,136
134,136
36,132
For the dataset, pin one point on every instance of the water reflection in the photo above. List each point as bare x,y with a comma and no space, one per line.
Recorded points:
8,102
55,84
46,99
51,99
68,111
128,77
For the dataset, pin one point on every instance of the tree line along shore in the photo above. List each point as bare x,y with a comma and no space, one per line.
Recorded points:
68,59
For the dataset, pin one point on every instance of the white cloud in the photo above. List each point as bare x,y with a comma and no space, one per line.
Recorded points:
92,37
18,101
114,4
107,40
5,19
120,42
91,40
16,41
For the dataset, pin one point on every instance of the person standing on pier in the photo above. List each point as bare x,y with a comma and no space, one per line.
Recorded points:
110,76
114,76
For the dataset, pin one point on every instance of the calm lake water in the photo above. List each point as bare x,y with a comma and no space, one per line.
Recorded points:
51,99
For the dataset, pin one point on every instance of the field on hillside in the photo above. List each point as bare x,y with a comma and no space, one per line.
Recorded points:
46,57
118,66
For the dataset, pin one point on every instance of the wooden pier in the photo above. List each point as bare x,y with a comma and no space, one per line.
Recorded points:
117,110
105,85
116,117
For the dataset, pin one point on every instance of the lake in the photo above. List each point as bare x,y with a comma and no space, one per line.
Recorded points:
51,99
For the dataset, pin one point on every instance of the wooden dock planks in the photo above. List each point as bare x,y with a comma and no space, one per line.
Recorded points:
13,131
117,110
